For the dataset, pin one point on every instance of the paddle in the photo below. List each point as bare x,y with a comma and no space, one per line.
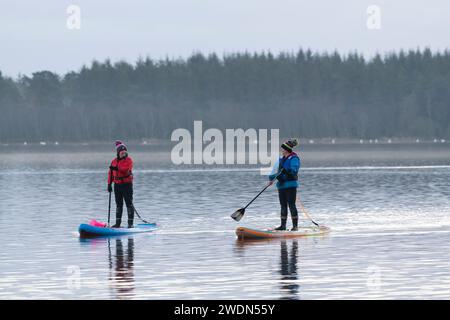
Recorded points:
239,214
109,204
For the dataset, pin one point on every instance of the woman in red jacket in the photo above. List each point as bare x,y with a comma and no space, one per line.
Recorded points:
120,173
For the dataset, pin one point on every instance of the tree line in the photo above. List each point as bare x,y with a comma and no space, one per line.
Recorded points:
303,93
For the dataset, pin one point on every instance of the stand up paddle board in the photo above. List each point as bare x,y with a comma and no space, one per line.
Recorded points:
90,231
248,233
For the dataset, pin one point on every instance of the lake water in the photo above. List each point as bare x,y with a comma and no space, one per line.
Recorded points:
387,205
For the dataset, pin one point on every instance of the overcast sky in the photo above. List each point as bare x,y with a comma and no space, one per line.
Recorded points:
34,35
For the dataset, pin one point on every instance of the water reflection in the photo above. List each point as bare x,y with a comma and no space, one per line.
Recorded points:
405,235
121,268
286,267
289,283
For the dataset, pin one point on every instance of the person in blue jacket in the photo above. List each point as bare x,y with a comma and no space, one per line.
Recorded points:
286,173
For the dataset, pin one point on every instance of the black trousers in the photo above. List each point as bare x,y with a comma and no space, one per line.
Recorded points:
287,199
123,192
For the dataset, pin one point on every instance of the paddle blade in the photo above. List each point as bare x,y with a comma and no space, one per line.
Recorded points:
238,214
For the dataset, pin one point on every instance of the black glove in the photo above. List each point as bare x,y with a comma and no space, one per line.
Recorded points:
113,168
109,188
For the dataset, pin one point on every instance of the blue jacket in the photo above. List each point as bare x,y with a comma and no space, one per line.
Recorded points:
289,178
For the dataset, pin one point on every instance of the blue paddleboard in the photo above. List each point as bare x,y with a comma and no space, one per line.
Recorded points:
88,231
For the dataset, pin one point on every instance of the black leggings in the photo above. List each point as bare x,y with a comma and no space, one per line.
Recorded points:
123,192
287,198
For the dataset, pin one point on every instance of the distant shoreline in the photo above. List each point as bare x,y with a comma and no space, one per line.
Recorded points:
302,141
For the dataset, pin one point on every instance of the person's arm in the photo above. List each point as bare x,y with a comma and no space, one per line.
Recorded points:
110,173
281,176
274,172
110,178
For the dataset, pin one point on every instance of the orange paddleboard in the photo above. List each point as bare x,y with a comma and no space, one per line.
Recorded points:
248,233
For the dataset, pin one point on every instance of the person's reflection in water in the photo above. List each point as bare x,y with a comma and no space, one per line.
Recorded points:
288,270
122,279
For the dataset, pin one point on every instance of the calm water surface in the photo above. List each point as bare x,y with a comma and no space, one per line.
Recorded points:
388,207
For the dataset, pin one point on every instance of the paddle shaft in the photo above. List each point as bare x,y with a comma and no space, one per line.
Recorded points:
257,196
109,209
109,202
261,191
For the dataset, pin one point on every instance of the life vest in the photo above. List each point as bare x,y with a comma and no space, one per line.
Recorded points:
285,162
124,174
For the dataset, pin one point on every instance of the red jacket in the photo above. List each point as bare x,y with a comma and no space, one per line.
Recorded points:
124,174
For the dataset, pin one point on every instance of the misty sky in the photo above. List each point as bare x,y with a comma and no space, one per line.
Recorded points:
34,35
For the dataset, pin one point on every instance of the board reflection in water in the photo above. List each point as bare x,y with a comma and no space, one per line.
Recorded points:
282,263
289,283
121,267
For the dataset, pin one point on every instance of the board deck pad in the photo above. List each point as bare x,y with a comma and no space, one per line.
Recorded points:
249,233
